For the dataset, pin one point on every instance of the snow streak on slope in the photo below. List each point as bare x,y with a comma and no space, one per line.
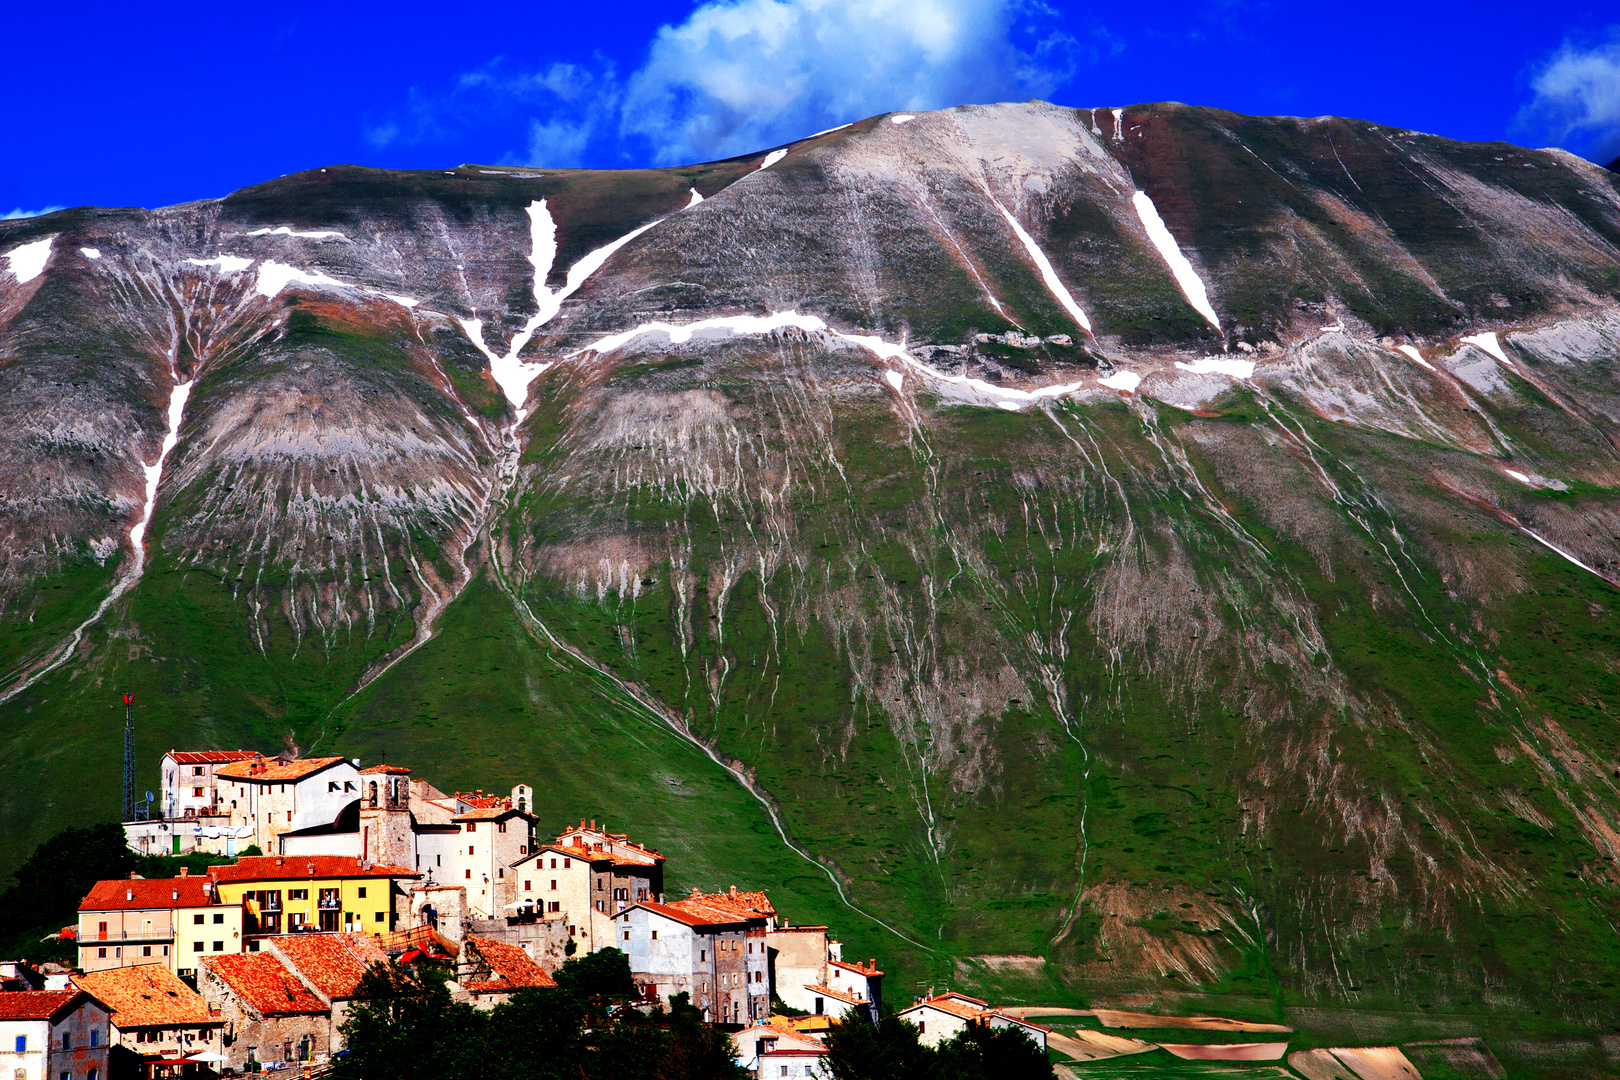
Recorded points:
27,261
316,234
1192,286
1042,263
967,389
1214,365
514,375
1411,351
228,264
90,253
697,197
137,541
771,159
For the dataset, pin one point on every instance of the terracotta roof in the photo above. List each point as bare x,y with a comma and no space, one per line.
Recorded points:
841,995
147,995
265,984
510,966
606,839
717,908
128,894
364,947
36,1004
389,770
213,757
954,1007
690,917
326,962
859,969
489,813
288,867
590,856
268,772
480,801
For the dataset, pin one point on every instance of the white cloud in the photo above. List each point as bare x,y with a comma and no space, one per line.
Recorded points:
742,75
19,212
1576,101
739,75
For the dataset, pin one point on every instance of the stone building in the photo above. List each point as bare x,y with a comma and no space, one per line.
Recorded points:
711,947
53,1035
942,1016
585,879
330,966
159,1024
489,972
269,1014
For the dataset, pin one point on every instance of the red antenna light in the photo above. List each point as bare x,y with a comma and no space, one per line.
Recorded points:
129,699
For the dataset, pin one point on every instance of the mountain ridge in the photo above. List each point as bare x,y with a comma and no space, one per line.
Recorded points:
1038,611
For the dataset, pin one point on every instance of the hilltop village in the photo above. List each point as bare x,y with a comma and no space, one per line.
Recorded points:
325,868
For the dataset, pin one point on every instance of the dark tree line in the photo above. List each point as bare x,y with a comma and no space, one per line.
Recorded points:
405,1026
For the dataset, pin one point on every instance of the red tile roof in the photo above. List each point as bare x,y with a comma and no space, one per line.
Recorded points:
213,757
390,770
268,772
511,967
325,961
617,858
713,909
147,995
860,969
36,1004
841,995
690,917
265,984
289,867
131,894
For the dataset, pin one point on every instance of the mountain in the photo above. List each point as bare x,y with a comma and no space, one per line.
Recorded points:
1100,553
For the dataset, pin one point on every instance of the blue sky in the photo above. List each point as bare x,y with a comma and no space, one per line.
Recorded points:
132,105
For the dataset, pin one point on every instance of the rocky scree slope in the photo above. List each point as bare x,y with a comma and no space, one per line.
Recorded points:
1176,548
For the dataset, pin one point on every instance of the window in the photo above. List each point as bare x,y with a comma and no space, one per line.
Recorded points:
197,919
22,1044
500,872
922,1025
379,917
553,884
626,935
196,770
196,946
554,864
554,906
565,864
146,950
219,946
528,885
500,826
118,952
95,1037
361,892
784,1070
289,817
165,950
472,826
469,875
219,916
298,894
101,954
196,792
655,935
703,956
103,929
470,849
438,860
67,1040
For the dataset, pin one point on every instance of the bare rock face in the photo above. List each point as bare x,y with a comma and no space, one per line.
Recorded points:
1177,543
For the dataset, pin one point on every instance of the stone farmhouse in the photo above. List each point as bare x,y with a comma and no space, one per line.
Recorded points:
710,947
160,1026
54,1034
941,1017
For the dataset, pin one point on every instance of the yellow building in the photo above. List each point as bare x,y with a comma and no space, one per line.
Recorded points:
168,921
304,893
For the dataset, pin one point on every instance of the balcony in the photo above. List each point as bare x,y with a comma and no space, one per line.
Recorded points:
153,933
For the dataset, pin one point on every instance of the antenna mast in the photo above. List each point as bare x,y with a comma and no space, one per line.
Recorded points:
129,757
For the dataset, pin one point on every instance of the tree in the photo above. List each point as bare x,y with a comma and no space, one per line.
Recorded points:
601,976
981,1052
538,1034
54,879
403,1025
887,1050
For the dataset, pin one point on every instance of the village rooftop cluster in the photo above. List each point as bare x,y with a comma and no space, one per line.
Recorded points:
255,963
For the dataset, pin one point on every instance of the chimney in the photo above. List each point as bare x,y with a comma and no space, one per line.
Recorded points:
280,861
871,964
133,876
129,894
184,871
174,894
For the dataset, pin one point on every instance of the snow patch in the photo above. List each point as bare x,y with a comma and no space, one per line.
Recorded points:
1048,275
1119,124
894,378
402,301
1488,342
772,158
1519,476
697,197
90,253
275,276
829,131
27,261
1215,365
1192,286
730,324
228,264
1417,357
1126,381
286,230
902,118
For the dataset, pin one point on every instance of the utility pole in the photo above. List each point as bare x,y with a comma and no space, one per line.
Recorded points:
129,757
